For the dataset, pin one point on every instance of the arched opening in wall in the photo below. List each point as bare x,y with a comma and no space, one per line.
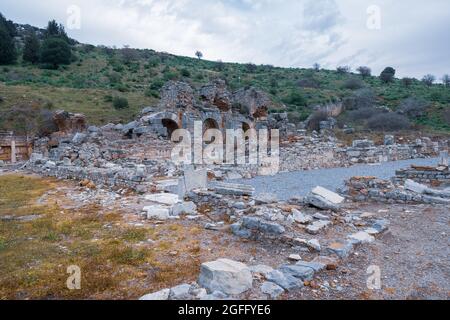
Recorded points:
245,128
209,124
170,125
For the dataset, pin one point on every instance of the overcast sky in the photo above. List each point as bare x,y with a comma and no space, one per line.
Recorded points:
411,35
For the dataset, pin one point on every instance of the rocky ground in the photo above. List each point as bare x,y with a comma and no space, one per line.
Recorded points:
412,254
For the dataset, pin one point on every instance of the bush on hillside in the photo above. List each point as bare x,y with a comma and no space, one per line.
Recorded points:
407,82
343,69
363,113
428,79
316,118
120,102
55,52
295,98
387,75
362,98
364,71
388,122
353,84
413,107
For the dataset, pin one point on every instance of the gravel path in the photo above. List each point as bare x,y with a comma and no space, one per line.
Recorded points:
289,184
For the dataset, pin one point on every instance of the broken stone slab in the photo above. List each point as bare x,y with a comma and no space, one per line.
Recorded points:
361,237
330,262
316,266
295,257
187,207
180,292
160,295
227,276
314,244
435,200
265,198
271,289
298,271
341,249
79,138
320,216
363,144
216,295
324,199
261,269
300,217
195,179
381,225
234,189
443,159
257,224
284,280
163,198
158,212
415,187
317,226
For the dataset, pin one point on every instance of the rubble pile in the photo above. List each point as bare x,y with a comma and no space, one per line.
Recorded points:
371,188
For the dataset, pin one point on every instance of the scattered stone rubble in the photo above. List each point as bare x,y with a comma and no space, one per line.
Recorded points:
270,221
402,191
136,156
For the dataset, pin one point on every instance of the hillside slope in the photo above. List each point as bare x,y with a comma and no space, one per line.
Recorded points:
97,74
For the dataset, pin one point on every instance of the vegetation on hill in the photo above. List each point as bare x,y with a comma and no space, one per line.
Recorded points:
98,80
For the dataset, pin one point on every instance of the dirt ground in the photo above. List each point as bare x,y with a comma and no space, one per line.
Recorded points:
124,257
413,257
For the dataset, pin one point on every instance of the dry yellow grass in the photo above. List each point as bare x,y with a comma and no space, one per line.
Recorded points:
115,260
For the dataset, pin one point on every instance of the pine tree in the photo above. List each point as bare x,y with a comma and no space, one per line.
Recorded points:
32,48
55,52
8,52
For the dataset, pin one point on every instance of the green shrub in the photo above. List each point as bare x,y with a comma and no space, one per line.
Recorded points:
295,98
55,52
186,73
388,122
120,102
316,118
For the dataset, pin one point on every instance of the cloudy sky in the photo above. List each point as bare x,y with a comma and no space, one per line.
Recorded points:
410,35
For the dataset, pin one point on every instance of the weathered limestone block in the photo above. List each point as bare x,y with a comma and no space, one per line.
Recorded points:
227,276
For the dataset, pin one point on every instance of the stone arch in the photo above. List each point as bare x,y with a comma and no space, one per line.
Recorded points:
210,123
245,126
170,126
168,120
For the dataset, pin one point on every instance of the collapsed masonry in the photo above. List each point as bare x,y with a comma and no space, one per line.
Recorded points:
136,154
213,105
416,184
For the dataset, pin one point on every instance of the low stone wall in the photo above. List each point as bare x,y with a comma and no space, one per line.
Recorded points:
315,152
426,175
129,175
371,188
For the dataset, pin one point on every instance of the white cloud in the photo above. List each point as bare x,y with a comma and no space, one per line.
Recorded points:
295,33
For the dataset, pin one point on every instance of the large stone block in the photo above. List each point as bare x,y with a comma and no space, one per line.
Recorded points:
163,198
227,276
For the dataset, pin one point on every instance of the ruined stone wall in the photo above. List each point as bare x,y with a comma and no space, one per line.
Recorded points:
426,175
371,188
